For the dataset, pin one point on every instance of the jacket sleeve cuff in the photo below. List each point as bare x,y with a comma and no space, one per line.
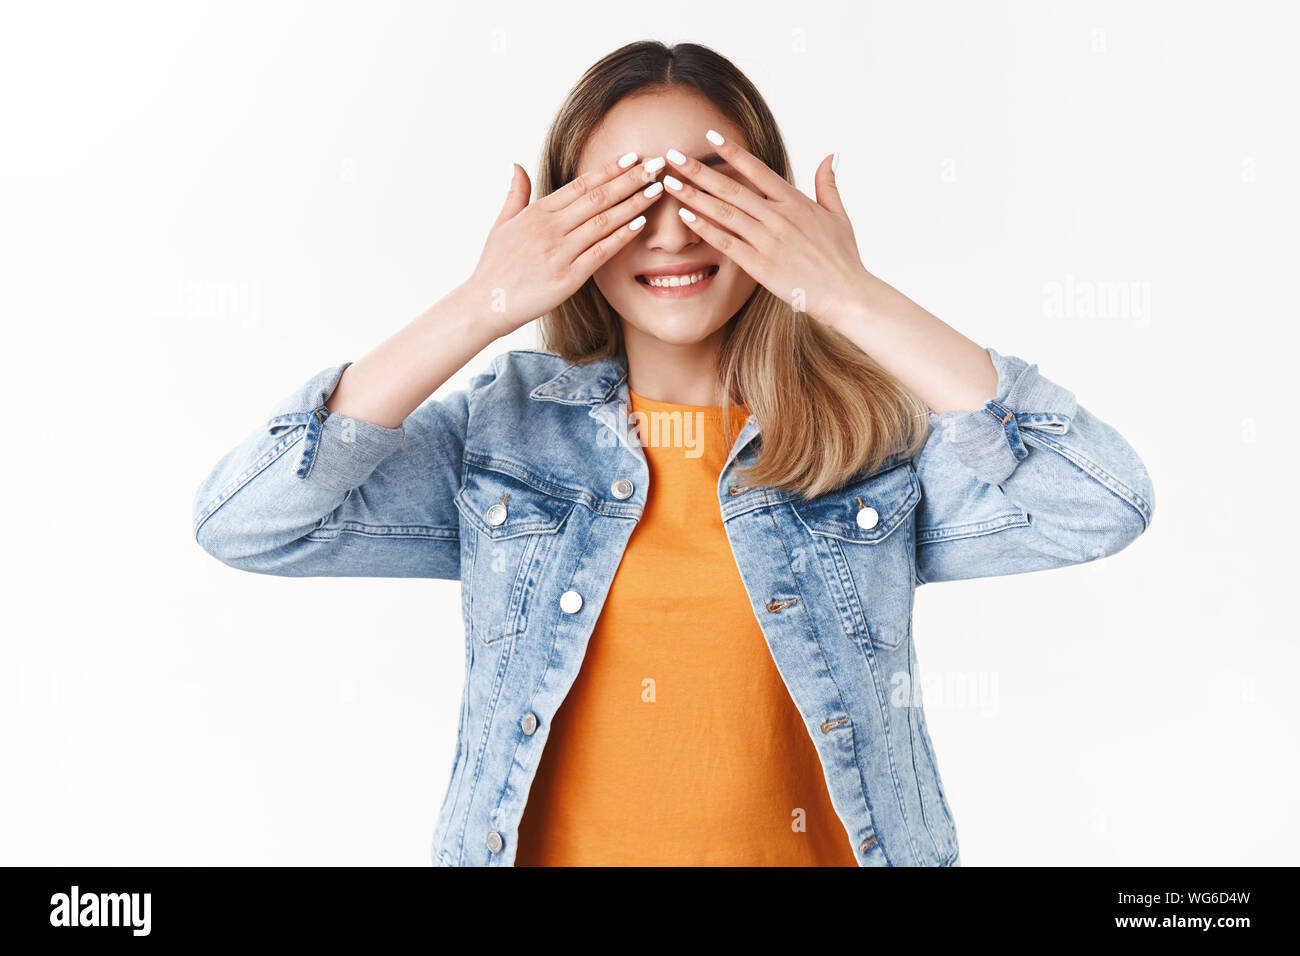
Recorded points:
338,453
988,440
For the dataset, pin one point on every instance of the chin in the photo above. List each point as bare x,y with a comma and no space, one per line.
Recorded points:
676,329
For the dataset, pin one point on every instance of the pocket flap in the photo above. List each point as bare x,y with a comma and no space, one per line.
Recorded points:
502,506
867,509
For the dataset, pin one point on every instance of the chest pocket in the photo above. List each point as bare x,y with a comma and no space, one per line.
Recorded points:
863,536
508,530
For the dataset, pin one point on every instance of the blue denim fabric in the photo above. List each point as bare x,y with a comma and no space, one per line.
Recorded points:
1030,481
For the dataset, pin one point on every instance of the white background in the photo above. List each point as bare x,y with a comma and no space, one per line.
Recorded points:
204,204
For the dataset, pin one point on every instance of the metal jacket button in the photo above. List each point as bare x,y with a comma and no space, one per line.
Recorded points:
570,602
494,841
621,488
496,514
528,723
868,517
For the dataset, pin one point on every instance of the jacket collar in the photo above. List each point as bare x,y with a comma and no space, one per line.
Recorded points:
601,381
584,383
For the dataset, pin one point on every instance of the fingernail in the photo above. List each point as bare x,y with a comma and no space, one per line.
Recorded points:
636,223
672,182
654,189
627,161
835,161
654,165
675,157
686,214
714,137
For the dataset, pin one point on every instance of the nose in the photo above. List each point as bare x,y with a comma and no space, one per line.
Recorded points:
664,229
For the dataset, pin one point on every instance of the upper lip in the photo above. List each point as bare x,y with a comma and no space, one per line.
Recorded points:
684,269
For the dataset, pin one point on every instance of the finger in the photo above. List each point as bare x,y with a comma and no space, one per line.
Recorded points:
598,226
579,186
724,187
610,246
723,213
754,169
828,193
516,197
601,197
733,247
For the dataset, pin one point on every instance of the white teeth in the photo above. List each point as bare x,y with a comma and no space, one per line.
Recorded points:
672,282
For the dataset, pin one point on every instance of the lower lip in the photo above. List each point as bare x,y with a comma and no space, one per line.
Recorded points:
681,291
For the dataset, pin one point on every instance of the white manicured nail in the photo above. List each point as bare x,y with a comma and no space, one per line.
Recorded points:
636,223
714,137
627,161
686,214
654,189
654,165
672,182
835,161
675,156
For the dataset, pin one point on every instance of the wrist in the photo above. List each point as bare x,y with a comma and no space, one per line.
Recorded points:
478,312
861,306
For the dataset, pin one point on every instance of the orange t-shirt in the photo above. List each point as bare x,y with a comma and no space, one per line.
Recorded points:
679,744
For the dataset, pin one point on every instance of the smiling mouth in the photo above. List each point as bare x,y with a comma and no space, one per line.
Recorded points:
675,282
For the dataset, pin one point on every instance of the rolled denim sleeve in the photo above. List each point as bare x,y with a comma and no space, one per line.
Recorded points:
1031,480
338,453
310,493
988,441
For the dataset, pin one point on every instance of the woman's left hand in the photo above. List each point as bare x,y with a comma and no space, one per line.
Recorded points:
803,252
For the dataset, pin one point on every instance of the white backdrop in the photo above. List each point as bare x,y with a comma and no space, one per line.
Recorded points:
203,204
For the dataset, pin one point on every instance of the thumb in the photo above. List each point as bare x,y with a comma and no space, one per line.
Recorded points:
828,194
517,195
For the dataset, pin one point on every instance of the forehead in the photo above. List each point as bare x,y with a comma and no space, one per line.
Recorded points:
651,123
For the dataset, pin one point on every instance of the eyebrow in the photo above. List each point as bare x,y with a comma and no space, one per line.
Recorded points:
712,159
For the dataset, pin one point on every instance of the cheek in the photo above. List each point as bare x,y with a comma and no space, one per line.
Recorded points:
607,281
740,285
612,275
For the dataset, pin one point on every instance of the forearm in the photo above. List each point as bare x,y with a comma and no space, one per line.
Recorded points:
942,367
389,382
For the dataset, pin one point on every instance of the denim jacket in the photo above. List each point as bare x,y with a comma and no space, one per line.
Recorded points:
526,485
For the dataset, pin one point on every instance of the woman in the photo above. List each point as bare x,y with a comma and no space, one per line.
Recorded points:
689,528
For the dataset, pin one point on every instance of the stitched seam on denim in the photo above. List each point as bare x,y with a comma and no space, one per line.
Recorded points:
812,626
519,593
868,650
548,525
1005,416
937,535
887,525
260,465
384,531
751,500
916,773
508,789
914,565
541,680
934,767
881,702
489,717
520,473
1101,476
315,431
856,616
460,759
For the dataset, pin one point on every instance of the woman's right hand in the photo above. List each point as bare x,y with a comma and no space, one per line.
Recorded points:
539,254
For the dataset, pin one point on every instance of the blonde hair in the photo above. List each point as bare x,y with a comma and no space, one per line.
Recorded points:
826,410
